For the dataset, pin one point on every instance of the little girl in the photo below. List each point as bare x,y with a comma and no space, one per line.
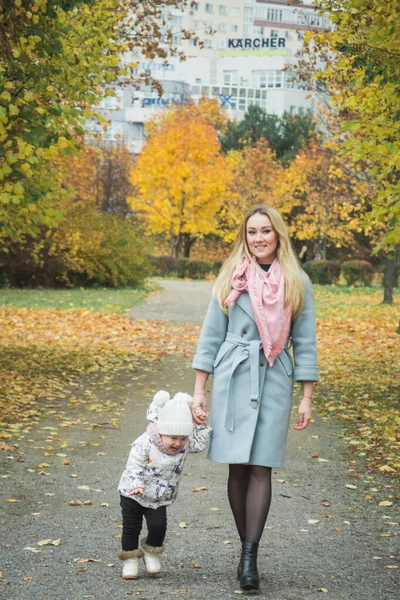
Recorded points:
152,474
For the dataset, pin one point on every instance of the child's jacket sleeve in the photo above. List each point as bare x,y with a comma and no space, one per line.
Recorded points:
133,476
200,439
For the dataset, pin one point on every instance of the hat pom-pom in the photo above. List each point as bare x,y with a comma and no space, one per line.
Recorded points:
183,398
161,397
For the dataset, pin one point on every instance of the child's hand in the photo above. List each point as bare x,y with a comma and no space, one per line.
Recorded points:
138,490
199,409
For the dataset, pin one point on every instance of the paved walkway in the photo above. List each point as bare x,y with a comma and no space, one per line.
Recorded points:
322,539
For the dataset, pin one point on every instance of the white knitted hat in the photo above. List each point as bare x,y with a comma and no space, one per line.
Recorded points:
174,416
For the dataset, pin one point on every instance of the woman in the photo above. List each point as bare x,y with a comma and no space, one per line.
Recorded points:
262,302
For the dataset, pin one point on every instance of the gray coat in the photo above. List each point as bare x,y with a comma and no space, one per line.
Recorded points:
251,401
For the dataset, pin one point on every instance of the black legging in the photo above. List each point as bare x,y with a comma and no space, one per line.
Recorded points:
132,519
249,493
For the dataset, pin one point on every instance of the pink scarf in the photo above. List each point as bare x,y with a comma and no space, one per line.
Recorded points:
267,296
156,438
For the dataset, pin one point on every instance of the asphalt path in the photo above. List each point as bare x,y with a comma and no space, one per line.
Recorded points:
322,539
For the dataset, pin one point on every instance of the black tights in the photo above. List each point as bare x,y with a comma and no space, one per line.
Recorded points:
249,493
132,519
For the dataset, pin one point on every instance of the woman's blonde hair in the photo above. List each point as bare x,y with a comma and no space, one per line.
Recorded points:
294,288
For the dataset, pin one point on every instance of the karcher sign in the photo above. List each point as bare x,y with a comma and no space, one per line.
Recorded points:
255,43
272,46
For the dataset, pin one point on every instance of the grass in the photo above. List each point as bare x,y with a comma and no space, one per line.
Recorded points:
97,299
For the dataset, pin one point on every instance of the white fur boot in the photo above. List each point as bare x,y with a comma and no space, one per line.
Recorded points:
130,569
151,557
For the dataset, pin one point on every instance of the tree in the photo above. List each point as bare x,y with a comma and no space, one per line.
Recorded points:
255,180
285,135
180,177
323,199
357,65
58,58
100,173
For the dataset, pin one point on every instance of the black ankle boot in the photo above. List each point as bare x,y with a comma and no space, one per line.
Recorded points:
249,579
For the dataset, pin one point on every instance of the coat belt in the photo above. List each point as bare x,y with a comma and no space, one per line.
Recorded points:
246,349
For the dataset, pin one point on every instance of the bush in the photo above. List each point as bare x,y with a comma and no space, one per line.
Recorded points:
322,271
216,267
168,266
358,272
193,269
88,247
164,266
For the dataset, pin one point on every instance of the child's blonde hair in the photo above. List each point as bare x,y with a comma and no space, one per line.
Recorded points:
294,288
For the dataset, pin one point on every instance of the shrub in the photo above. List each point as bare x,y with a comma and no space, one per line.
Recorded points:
358,272
322,271
216,267
164,266
87,247
193,269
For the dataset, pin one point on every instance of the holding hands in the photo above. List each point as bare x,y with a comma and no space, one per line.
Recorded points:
199,408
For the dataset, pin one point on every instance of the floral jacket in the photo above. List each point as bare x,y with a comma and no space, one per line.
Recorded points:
158,473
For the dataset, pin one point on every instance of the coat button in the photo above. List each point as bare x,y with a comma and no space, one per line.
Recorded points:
244,332
261,364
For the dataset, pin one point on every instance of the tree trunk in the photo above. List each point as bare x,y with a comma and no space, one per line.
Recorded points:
389,277
176,242
188,242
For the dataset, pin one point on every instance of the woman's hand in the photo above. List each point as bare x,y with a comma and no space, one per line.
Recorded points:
199,408
138,490
304,414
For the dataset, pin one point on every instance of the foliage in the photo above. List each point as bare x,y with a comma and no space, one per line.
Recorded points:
324,198
285,135
180,176
255,179
358,349
357,272
44,352
87,247
322,271
51,75
100,173
96,298
357,64
169,266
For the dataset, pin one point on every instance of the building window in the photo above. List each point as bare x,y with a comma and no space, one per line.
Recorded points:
194,24
207,44
209,8
192,42
222,27
279,79
258,31
222,10
198,80
235,11
194,7
274,33
235,28
231,77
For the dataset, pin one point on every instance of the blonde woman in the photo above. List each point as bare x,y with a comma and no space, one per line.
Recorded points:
262,305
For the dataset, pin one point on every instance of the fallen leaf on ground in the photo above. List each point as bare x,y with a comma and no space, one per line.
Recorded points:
199,489
385,503
351,486
195,566
75,502
313,521
31,549
183,524
87,560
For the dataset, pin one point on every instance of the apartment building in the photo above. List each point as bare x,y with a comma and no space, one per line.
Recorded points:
244,55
